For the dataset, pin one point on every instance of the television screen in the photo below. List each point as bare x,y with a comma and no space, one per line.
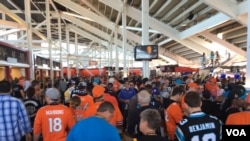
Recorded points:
146,52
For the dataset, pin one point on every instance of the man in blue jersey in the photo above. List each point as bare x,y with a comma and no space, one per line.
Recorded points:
124,97
96,128
198,126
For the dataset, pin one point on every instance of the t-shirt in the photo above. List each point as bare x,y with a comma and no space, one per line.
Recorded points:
78,113
93,129
173,115
53,121
198,126
111,99
32,107
240,118
91,110
17,91
117,118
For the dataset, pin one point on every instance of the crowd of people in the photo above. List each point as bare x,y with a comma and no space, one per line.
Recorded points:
113,108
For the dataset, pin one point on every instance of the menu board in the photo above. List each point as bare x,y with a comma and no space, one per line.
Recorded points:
40,61
6,51
56,64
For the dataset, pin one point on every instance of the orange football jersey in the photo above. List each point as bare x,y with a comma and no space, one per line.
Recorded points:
86,101
111,99
240,118
53,122
173,115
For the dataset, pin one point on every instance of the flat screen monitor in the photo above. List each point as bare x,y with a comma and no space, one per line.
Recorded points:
146,52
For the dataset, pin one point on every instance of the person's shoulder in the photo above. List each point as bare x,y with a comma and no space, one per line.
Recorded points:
12,99
32,102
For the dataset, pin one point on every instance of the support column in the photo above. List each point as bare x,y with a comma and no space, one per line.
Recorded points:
60,43
124,39
77,52
48,22
116,53
8,72
68,65
29,39
247,83
5,37
145,36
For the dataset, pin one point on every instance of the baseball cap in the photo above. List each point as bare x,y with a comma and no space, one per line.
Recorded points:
98,91
82,85
71,82
193,85
53,93
179,82
111,80
96,81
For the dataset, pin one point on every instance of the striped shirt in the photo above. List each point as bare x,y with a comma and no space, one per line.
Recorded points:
14,119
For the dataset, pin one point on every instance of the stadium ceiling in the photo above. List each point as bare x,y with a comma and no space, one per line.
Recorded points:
183,29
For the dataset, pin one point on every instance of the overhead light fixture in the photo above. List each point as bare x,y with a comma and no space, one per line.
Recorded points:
190,16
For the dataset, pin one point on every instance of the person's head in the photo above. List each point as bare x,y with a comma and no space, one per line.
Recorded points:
148,88
110,86
150,120
126,84
52,95
106,110
82,86
206,95
5,86
35,84
75,101
201,88
143,97
192,86
30,92
177,93
98,92
145,80
192,102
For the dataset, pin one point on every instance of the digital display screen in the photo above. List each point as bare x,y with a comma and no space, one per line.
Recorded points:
146,52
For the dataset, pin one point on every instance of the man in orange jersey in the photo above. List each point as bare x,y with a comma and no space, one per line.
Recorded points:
173,112
240,118
81,92
212,86
75,105
53,120
96,128
116,84
192,86
98,92
110,98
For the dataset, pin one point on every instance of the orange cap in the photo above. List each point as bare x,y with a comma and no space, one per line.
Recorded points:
98,91
248,98
193,85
